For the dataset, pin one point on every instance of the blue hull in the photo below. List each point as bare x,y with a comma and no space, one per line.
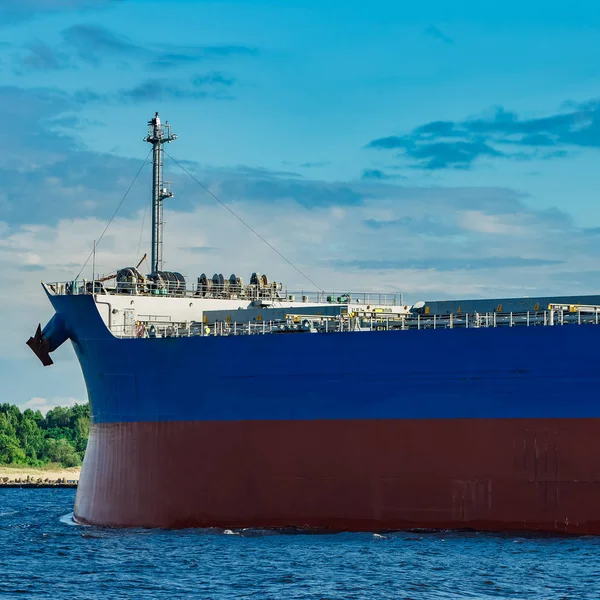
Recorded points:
519,372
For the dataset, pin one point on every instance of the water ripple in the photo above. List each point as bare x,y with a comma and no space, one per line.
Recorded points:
46,553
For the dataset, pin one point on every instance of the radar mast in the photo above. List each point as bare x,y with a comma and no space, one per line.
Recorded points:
158,134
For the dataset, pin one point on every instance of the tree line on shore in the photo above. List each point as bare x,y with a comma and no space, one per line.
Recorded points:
29,439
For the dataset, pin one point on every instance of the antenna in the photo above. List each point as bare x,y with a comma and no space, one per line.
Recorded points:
158,135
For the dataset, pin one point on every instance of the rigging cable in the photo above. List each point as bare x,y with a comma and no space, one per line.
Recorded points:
115,213
289,262
137,254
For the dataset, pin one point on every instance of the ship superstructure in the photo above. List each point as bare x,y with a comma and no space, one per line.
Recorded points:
233,404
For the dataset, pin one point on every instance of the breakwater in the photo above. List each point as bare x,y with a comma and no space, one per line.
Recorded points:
37,482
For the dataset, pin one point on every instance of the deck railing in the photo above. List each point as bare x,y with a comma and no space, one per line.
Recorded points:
297,323
273,294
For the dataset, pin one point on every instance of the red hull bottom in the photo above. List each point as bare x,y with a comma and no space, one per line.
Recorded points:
484,474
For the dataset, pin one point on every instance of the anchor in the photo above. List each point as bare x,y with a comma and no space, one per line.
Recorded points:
40,346
48,339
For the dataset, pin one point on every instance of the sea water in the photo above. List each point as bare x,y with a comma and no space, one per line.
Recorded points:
43,554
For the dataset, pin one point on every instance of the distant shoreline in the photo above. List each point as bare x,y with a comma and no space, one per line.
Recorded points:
37,485
52,475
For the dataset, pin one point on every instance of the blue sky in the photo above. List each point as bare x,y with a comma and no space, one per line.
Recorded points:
440,149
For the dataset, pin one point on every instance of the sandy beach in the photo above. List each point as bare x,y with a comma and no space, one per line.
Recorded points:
50,472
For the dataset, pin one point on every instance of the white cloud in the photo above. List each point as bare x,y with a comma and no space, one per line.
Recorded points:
478,221
46,404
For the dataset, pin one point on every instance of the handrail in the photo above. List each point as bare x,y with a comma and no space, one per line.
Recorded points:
153,328
275,294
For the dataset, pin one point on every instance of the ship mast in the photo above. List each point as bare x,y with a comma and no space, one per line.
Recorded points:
158,134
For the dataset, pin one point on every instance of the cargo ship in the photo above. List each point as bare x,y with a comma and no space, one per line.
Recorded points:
226,404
